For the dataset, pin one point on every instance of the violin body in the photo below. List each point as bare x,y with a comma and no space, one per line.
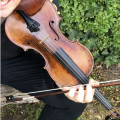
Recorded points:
68,63
48,19
26,6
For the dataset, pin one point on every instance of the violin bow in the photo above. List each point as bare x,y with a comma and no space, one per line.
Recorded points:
20,97
13,98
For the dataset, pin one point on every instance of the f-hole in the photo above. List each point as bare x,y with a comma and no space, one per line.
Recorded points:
51,26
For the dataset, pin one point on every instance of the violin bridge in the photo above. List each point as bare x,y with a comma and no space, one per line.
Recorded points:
44,39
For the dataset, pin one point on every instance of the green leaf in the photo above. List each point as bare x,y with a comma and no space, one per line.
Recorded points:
101,18
105,52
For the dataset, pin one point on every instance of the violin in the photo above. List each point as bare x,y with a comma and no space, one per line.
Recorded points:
68,63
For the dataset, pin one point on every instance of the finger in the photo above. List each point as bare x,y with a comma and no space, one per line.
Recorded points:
89,94
72,91
93,82
80,95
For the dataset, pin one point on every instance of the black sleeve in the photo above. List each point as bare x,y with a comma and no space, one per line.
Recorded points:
8,49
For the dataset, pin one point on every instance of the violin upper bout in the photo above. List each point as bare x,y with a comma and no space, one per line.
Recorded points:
30,7
17,31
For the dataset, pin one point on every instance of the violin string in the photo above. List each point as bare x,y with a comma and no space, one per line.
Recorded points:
43,34
53,46
55,50
104,101
99,95
48,90
50,50
75,72
61,59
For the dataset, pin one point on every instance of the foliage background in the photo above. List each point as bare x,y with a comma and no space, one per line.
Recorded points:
96,24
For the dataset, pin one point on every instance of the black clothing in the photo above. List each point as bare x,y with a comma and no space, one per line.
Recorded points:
8,49
24,71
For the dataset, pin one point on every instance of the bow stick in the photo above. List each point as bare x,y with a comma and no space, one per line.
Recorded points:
20,97
16,97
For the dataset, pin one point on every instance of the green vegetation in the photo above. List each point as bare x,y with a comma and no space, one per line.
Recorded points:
22,111
32,111
96,24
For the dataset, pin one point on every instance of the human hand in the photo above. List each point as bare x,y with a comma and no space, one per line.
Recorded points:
78,94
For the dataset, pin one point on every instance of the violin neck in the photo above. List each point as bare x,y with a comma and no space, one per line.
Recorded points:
69,64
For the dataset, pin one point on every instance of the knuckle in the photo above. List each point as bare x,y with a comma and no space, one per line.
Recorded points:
88,100
81,100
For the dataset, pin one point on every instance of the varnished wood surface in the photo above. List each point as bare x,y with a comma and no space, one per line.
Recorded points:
30,7
18,33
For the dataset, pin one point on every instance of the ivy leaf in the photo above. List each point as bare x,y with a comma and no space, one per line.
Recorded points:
107,63
105,52
101,18
72,34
